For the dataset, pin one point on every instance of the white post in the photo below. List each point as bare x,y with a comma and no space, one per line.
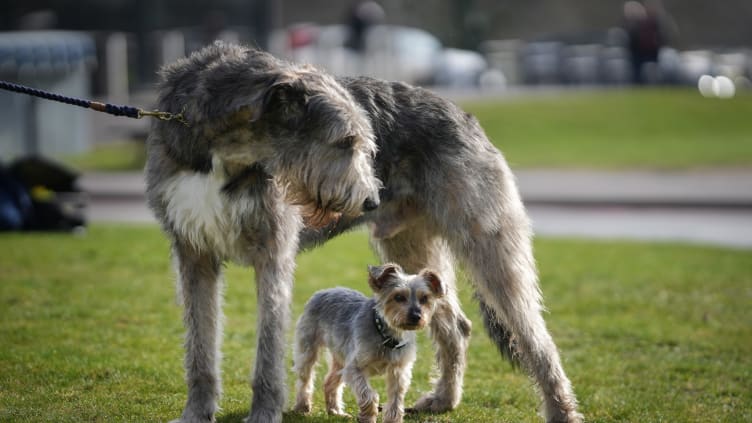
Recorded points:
116,61
173,46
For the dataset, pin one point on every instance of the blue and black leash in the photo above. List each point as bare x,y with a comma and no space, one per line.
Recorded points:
113,109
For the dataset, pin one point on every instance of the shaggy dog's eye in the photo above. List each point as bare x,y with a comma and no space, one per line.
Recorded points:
345,143
400,298
423,299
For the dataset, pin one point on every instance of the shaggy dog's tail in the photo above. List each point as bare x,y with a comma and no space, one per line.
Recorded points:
502,337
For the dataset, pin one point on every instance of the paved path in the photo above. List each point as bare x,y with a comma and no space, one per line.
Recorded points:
706,207
723,227
704,188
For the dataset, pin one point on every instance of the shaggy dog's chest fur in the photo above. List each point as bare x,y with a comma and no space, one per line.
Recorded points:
221,213
202,214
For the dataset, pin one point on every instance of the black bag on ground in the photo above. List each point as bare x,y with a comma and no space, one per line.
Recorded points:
38,194
15,203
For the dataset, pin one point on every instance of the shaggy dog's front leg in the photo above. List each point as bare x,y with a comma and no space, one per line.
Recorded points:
199,279
274,277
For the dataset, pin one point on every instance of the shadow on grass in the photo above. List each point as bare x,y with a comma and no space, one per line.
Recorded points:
238,417
291,417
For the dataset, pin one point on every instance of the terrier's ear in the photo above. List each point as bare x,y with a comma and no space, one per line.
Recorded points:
434,283
378,276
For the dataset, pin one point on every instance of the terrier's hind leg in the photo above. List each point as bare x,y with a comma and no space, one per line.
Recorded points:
305,351
333,389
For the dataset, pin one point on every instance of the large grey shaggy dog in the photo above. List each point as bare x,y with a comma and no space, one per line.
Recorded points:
279,157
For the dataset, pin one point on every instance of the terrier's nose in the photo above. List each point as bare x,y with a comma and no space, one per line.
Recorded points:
413,316
370,204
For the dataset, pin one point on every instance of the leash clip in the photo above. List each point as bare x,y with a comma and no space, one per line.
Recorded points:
165,116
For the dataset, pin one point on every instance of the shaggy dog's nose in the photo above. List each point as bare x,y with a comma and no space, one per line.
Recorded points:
370,204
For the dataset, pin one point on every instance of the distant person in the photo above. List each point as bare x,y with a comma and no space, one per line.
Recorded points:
646,27
362,16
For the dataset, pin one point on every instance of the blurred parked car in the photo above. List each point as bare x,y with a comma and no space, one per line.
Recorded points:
391,52
602,58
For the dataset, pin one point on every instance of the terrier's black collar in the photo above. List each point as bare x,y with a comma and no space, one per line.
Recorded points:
389,341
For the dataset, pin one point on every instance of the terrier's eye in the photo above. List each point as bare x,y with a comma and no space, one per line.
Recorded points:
423,299
400,298
345,143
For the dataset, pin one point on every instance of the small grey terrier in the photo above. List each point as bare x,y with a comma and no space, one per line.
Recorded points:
279,157
365,336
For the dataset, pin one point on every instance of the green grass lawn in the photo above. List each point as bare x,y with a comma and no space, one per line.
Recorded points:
89,331
653,128
111,157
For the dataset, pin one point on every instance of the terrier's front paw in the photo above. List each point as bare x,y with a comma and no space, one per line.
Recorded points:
366,418
302,408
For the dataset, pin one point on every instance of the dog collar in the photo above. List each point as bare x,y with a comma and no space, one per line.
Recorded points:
389,341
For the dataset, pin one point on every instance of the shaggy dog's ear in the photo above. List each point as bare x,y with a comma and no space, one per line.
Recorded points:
378,276
284,98
287,98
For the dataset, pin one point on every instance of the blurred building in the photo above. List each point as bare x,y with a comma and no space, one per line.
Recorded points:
703,23
57,61
151,32
457,23
453,43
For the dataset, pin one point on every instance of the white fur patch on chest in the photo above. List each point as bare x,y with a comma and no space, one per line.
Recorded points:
203,215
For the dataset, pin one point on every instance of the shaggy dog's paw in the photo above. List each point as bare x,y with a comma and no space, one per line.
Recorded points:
188,417
570,416
262,415
433,404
